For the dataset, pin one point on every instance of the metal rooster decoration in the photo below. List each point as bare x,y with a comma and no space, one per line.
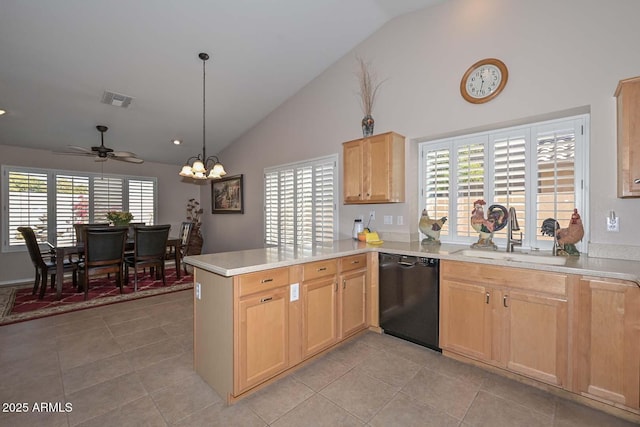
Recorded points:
496,220
566,238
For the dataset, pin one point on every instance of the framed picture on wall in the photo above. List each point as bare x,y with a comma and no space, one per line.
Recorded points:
227,195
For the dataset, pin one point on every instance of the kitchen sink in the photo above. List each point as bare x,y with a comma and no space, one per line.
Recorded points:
513,256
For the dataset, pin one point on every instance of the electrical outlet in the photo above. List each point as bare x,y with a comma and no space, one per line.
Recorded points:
613,224
198,291
372,215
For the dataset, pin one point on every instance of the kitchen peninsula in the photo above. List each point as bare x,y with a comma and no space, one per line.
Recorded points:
260,313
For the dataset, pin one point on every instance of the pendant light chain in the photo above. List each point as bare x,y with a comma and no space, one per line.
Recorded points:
204,106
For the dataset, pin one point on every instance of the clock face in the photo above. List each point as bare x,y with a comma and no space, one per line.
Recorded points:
484,80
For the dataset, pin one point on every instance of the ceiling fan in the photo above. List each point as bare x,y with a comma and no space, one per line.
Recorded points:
102,153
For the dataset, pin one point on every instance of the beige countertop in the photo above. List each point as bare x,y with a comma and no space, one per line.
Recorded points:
248,261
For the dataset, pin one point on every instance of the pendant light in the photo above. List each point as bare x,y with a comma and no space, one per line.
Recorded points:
199,168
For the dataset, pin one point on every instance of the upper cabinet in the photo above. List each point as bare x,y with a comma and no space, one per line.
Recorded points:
374,169
628,104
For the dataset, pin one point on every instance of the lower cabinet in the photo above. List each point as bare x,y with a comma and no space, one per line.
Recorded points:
608,344
319,315
352,302
511,318
263,336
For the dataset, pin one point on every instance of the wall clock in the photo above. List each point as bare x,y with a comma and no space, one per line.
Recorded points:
484,80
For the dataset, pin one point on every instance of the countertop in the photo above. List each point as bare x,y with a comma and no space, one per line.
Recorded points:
240,262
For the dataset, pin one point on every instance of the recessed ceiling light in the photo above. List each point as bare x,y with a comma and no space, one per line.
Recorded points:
176,142
2,112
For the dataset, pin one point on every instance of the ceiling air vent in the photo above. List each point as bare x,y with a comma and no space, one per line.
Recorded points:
116,99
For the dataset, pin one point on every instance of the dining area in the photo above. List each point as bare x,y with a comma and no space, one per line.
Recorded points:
120,254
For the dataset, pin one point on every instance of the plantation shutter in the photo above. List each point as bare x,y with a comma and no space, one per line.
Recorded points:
72,206
300,202
556,192
324,202
470,184
27,205
107,196
509,175
142,201
436,184
271,208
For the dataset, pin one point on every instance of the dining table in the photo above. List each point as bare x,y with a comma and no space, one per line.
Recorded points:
62,252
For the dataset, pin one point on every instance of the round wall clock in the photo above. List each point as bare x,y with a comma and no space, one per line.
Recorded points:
484,80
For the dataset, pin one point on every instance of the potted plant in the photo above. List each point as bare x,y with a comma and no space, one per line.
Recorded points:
119,217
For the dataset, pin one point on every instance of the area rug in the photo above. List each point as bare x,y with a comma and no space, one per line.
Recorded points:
17,304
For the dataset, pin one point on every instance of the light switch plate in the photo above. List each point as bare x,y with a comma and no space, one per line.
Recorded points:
294,292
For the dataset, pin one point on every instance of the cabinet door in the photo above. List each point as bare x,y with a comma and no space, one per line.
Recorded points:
628,100
377,155
263,337
353,171
319,315
536,336
465,319
609,341
352,302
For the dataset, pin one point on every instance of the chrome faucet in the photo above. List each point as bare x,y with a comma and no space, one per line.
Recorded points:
512,225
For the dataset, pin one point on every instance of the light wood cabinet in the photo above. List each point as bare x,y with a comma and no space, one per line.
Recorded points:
352,294
511,318
628,124
261,325
319,315
263,337
373,169
607,357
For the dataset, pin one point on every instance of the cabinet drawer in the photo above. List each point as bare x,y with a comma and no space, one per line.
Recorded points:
515,278
313,270
354,262
263,280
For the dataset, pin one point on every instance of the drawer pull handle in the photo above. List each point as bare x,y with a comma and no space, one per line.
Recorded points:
344,284
504,300
487,299
322,268
355,262
636,181
266,280
266,299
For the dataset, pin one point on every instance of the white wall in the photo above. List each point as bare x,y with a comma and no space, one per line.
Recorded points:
561,55
173,195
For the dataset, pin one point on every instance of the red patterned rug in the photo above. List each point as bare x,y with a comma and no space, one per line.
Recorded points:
20,305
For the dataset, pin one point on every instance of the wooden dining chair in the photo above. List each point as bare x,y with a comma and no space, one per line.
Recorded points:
184,235
103,253
45,264
149,247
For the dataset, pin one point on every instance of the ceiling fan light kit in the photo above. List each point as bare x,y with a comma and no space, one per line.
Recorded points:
198,169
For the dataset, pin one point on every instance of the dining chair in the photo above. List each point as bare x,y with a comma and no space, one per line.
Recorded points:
79,229
184,235
103,253
45,264
149,247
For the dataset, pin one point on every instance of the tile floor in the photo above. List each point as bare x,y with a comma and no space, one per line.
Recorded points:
130,364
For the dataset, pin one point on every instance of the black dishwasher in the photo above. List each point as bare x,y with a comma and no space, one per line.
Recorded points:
409,298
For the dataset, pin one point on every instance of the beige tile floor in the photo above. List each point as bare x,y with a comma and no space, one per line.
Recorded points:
130,364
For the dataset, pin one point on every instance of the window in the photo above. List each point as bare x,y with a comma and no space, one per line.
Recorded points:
52,201
300,202
538,169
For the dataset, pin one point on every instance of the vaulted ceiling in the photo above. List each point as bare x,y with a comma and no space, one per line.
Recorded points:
57,58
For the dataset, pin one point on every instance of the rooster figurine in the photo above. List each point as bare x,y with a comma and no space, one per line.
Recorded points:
566,237
496,220
431,228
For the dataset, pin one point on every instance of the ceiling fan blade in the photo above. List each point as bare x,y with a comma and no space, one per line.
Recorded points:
73,153
78,148
128,159
123,154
